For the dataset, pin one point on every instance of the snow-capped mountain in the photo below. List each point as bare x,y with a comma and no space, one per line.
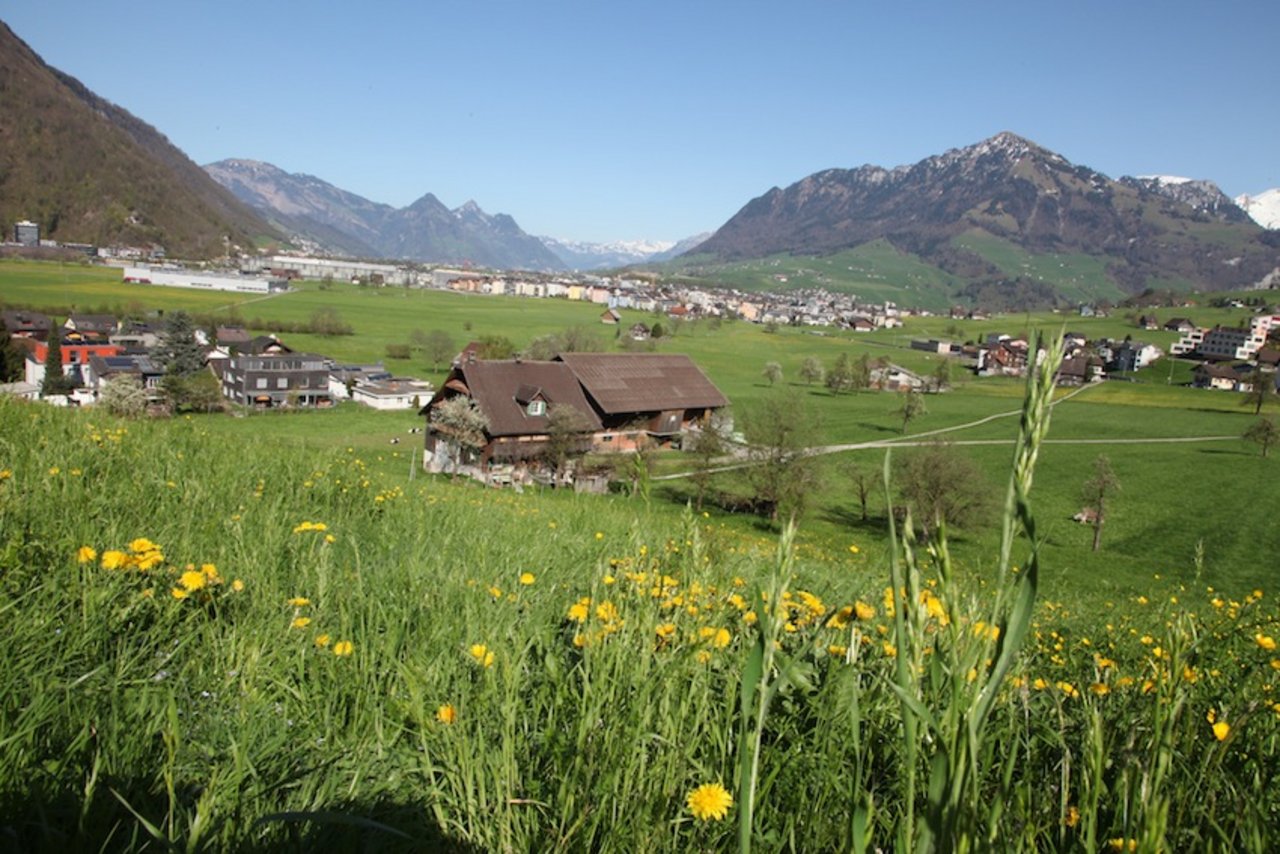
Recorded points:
1202,196
1264,207
582,255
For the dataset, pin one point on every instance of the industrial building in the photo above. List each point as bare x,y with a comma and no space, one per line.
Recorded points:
176,277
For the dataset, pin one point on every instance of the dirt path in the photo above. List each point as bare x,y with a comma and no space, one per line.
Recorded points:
918,439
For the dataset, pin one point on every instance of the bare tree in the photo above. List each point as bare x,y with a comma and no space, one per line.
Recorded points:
811,370
460,419
1262,389
942,486
779,431
438,346
568,434
864,480
772,372
912,408
1095,493
1264,433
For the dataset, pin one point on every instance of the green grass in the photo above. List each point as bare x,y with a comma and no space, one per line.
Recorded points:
132,719
1077,277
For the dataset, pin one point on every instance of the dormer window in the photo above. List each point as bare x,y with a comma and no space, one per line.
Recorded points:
536,407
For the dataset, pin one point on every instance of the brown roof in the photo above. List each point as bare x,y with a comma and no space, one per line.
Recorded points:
496,385
643,382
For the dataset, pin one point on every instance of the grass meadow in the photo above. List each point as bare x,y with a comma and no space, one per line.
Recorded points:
272,632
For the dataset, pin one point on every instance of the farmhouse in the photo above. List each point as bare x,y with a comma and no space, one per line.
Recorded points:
620,401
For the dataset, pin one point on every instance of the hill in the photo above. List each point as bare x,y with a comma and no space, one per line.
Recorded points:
1018,201
89,171
340,221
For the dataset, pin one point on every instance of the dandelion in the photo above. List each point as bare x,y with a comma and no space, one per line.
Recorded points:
853,550
580,610
191,580
665,630
113,559
86,554
1221,730
864,611
300,622
721,638
599,535
237,585
179,593
343,648
299,601
710,801
482,655
1072,818
1265,641
322,640
527,578
447,714
1122,844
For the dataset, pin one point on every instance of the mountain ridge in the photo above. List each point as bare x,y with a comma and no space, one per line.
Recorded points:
87,170
334,219
1011,189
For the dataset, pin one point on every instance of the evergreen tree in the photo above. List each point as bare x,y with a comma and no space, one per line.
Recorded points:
55,381
178,350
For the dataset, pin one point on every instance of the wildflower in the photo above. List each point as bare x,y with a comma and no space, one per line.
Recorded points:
330,539
580,610
863,610
300,622
142,544
1100,689
709,801
299,601
482,654
721,638
191,580
179,593
322,640
837,651
1068,689
113,559
703,656
889,649
1265,641
343,648
599,535
237,585
495,591
853,550
53,471
527,578
665,630
1122,844
1072,818
86,554
447,714
1221,730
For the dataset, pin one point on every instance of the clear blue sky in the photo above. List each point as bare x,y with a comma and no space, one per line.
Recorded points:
608,120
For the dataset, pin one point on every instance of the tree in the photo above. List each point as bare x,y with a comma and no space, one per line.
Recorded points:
864,480
941,486
55,381
706,446
195,393
912,408
496,347
860,373
1095,492
439,347
772,372
568,434
779,431
1262,388
656,331
461,420
12,358
123,396
1264,433
942,375
811,370
327,322
840,378
178,350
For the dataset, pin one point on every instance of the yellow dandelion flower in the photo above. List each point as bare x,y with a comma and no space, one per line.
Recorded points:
721,638
889,649
710,801
300,622
607,612
495,591
750,618
343,648
237,585
599,535
113,559
1100,689
191,580
299,601
703,656
447,714
665,630
86,554
179,593
1221,730
580,610
854,550
1122,844
863,611
527,578
142,544
1072,817
330,539
482,655
322,640
1265,641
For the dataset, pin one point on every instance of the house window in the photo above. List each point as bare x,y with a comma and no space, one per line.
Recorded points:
262,382
607,438
282,382
537,407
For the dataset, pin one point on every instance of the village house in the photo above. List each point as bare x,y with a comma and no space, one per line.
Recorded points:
621,401
75,356
27,324
393,393
274,377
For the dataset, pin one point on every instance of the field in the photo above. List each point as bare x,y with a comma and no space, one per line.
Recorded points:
481,670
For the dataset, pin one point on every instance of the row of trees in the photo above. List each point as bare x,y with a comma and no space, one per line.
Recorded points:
849,375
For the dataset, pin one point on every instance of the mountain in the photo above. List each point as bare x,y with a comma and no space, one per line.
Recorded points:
991,214
581,255
319,213
89,171
1264,207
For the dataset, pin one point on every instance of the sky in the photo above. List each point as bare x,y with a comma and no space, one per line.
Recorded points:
613,120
